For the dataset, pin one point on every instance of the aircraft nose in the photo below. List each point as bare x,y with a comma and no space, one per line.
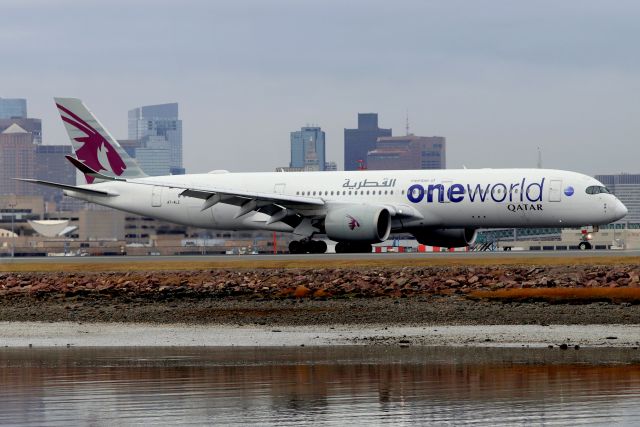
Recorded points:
620,210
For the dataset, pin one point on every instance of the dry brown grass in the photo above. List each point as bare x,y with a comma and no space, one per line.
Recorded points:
561,295
154,264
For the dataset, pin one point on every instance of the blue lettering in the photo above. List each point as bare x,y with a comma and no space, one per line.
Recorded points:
477,191
440,189
498,192
456,193
539,186
415,193
511,191
502,193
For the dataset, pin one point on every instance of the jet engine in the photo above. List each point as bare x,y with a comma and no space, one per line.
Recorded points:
358,223
445,237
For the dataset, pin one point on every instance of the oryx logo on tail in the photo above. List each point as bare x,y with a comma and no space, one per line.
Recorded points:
96,152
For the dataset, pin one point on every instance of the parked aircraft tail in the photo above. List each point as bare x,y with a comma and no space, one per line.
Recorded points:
93,145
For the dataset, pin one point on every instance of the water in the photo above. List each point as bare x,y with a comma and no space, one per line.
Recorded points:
335,386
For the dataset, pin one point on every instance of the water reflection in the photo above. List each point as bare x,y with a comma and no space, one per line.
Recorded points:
318,385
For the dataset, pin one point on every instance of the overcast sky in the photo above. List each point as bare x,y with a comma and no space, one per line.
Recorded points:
496,78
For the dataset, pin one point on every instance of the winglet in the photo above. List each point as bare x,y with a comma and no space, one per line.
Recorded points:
89,171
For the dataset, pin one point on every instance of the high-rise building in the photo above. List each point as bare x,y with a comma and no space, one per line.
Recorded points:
358,142
161,120
331,166
13,108
154,155
308,148
17,160
407,153
51,165
626,187
33,126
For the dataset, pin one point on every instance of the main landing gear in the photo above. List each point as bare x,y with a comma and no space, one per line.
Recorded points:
352,248
307,246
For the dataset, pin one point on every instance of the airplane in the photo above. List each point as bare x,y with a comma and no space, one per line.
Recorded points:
353,208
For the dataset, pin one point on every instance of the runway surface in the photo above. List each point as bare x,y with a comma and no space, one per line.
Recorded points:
387,257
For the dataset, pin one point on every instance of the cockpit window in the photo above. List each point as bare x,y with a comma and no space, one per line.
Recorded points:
597,189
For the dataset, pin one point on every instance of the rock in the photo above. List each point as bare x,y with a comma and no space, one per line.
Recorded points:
624,281
473,280
400,281
563,346
321,293
301,291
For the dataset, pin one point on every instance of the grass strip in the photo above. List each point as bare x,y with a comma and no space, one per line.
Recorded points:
560,295
160,264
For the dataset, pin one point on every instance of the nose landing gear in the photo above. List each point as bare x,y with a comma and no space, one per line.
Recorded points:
307,246
583,246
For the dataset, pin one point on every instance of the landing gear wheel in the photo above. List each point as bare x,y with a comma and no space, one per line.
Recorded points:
318,246
352,248
584,246
295,247
307,247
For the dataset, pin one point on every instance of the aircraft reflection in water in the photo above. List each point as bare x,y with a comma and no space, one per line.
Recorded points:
319,385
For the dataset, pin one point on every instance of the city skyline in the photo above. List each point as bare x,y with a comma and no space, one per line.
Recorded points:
499,79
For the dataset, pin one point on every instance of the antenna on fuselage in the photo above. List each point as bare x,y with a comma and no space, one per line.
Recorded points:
539,158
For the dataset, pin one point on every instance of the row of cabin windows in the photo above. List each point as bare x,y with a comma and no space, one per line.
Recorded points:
345,193
362,192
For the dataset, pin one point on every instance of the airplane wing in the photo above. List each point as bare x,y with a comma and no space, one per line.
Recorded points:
271,203
84,190
274,204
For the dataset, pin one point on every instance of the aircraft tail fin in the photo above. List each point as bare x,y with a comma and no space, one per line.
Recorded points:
93,144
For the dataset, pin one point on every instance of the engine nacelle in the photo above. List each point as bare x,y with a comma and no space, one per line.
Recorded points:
358,223
445,237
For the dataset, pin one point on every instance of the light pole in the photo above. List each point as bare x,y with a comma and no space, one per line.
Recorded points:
12,205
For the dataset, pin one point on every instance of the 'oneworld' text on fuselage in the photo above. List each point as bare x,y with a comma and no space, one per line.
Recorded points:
518,192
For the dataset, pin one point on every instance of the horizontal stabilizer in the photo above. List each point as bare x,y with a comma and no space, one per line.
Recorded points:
90,172
84,190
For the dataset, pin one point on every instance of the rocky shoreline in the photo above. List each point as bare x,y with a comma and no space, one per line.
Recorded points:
393,295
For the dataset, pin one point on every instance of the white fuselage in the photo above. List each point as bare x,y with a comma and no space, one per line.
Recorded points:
480,198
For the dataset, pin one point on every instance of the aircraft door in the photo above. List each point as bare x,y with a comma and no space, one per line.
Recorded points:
279,188
156,196
555,190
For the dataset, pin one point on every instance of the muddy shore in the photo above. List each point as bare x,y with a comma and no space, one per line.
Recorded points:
387,295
